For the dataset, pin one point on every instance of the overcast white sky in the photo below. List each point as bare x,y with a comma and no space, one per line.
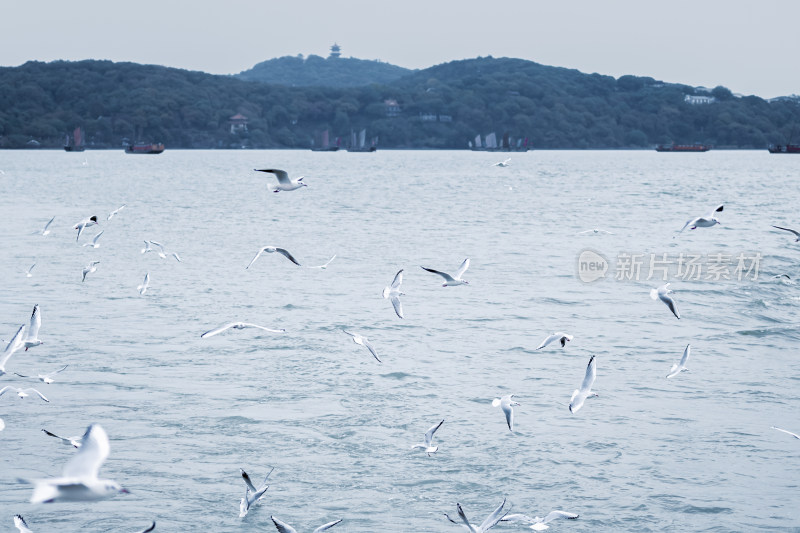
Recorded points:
748,46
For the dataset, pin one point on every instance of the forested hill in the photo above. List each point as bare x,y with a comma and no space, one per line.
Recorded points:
315,71
440,107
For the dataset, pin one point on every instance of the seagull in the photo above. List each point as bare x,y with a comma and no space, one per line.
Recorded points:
94,244
563,338
45,230
115,211
147,247
663,293
22,526
594,231
28,272
705,221
161,253
323,267
272,249
796,233
90,268
238,325
358,339
283,527
145,284
47,379
795,435
14,344
677,368
79,480
428,446
507,404
83,224
539,524
149,528
450,280
75,442
251,493
580,395
22,393
487,524
177,257
284,183
33,330
505,163
392,292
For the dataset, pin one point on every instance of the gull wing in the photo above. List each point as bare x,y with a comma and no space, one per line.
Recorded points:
262,327
591,374
21,525
795,435
463,517
686,353
690,222
509,412
36,323
673,371
44,230
398,279
42,396
283,527
261,251
68,442
14,344
445,275
671,304
247,481
371,349
430,432
177,258
717,209
398,306
463,268
282,176
547,340
90,456
94,241
80,230
153,524
797,233
555,515
493,518
326,526
517,517
287,255
212,332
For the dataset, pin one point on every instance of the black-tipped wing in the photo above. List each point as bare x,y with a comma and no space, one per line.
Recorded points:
493,518
282,176
327,526
797,233
445,275
287,255
283,527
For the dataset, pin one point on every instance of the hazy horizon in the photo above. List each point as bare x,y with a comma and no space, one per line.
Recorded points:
734,44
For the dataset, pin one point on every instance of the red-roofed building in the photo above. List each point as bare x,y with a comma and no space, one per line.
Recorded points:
238,123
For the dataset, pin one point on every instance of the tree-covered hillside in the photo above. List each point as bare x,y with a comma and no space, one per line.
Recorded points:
440,107
315,71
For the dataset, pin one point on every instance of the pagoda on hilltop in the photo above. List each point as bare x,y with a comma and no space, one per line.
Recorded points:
336,51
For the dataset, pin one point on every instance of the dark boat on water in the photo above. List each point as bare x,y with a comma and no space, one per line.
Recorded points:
325,145
74,143
144,148
697,147
784,148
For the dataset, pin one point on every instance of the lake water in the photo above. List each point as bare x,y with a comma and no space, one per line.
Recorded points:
183,414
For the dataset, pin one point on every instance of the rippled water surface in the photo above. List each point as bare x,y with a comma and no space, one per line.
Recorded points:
695,452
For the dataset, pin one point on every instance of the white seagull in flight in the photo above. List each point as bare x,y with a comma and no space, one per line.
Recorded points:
283,527
75,442
83,224
28,273
505,163
487,524
115,211
563,338
22,393
79,480
795,435
45,230
94,244
507,403
90,268
323,267
284,182
705,221
580,395
452,280
252,493
47,379
663,293
145,284
795,232
677,368
273,249
392,292
238,325
428,446
358,339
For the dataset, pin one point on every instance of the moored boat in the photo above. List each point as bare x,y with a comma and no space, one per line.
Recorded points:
144,148
74,143
784,148
697,147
